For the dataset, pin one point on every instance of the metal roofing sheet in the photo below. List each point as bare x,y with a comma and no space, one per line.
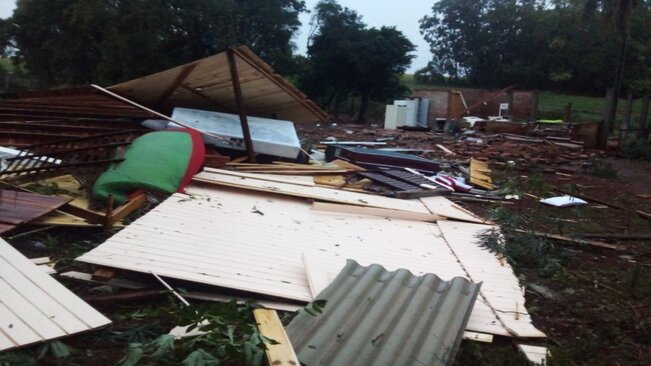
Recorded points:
376,317
34,307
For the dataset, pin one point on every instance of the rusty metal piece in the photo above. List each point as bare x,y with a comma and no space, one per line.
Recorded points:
17,208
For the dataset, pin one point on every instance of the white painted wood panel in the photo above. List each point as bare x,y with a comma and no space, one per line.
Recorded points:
34,307
255,241
321,193
500,288
444,207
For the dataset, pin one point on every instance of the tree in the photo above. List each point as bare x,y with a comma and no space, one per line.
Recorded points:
568,45
106,41
346,58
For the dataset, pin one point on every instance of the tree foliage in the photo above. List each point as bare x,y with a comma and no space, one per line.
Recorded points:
571,45
348,58
80,41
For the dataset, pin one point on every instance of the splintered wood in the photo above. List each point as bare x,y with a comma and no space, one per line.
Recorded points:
480,174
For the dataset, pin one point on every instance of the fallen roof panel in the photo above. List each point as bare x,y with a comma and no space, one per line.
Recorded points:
206,84
376,317
34,307
255,242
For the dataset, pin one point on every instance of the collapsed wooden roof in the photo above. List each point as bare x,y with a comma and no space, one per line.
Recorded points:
207,84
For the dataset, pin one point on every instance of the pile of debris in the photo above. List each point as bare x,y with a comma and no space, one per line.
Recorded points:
372,231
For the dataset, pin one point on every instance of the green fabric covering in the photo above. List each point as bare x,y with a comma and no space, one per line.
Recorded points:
550,120
156,161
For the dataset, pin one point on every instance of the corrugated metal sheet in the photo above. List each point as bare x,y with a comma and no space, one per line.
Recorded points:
376,317
206,84
34,307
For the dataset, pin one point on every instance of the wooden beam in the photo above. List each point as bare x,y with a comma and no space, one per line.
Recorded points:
235,79
207,98
316,276
185,72
281,354
372,211
570,240
124,210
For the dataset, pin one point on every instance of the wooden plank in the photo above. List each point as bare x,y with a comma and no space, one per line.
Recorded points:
316,274
14,329
312,172
372,211
478,337
123,211
500,288
28,313
41,260
537,355
270,326
21,207
183,74
103,274
574,241
321,193
50,288
265,177
480,174
445,149
444,207
38,296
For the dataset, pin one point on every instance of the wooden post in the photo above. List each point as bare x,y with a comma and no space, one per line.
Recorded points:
608,120
568,113
281,354
643,124
235,79
534,109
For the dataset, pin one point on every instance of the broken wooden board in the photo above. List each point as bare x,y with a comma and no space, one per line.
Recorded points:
78,211
372,211
282,353
319,193
444,207
501,289
537,355
299,180
36,308
574,241
480,174
17,208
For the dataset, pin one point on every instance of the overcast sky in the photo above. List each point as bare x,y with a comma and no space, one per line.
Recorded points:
404,14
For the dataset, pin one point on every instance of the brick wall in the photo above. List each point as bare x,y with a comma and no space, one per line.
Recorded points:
523,102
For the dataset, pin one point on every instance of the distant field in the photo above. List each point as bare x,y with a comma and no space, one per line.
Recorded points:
552,105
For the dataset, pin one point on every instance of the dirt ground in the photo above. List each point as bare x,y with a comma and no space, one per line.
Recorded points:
593,303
